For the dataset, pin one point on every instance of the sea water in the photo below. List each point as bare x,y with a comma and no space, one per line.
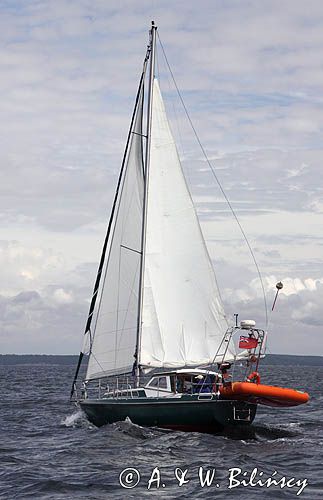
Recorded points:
48,450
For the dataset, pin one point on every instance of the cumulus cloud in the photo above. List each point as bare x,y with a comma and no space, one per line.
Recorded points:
298,312
43,301
23,266
291,286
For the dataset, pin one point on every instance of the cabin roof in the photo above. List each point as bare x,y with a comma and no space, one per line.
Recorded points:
186,371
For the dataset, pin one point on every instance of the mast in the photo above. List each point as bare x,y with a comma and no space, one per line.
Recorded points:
152,47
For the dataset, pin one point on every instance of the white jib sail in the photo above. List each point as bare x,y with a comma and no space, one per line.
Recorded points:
114,341
183,317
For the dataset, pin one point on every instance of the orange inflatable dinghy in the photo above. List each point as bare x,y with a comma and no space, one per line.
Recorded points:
263,394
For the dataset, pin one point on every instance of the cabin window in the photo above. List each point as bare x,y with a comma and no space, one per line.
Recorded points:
162,382
159,382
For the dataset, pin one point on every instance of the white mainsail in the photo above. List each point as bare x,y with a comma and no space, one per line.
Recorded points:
183,317
114,340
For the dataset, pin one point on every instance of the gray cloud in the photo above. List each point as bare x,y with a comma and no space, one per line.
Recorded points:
32,323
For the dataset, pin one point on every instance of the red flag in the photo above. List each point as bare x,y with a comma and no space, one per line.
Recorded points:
247,342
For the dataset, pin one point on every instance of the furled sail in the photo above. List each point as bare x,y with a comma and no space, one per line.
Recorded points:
114,341
183,320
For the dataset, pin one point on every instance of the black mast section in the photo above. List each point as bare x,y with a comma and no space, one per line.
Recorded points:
105,245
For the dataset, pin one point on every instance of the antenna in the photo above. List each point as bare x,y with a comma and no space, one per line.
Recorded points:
279,286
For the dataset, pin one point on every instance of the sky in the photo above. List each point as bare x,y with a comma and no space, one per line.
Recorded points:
251,75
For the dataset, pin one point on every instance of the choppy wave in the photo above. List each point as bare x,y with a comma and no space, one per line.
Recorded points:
50,451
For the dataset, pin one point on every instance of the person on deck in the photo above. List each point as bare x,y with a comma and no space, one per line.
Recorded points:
224,367
204,384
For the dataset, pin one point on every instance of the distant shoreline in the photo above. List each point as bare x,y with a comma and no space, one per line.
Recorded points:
71,359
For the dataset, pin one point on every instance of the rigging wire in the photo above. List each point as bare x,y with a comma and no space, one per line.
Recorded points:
179,142
218,182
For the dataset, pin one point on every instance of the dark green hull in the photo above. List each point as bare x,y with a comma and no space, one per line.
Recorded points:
187,413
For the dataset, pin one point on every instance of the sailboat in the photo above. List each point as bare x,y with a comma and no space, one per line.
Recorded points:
159,348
